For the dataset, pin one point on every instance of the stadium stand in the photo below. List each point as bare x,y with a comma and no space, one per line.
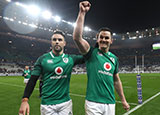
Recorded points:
19,49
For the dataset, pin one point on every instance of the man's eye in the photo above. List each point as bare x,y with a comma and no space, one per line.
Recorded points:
106,37
101,37
59,39
54,39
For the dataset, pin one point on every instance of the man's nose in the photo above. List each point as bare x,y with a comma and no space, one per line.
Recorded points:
103,39
57,41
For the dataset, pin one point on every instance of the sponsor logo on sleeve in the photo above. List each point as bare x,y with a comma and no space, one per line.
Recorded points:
49,61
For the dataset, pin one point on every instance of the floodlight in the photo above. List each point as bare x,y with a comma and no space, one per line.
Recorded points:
33,10
17,3
24,23
11,19
70,23
33,25
114,34
87,28
20,4
74,24
8,0
46,14
57,18
19,22
6,18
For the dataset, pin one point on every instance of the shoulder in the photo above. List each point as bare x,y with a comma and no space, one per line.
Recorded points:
91,50
73,56
46,55
112,55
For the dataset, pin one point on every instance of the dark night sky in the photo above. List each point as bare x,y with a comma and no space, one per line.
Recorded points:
119,15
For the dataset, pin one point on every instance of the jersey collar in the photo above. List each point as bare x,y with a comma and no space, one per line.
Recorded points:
52,54
107,53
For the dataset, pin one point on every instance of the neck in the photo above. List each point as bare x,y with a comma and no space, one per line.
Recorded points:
57,53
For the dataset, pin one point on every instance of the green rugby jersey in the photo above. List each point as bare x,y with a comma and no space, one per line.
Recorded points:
27,72
56,73
100,70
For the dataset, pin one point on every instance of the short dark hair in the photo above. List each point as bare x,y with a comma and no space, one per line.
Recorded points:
105,29
59,32
102,29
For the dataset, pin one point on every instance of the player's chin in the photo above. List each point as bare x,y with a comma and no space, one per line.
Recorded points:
57,48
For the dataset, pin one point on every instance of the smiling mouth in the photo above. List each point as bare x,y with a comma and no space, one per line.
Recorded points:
103,42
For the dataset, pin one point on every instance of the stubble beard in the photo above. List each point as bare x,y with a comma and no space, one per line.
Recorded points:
57,48
104,47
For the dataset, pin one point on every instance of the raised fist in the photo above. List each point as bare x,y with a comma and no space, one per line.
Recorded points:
84,6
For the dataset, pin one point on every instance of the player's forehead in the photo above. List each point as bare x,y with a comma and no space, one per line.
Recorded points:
57,36
105,33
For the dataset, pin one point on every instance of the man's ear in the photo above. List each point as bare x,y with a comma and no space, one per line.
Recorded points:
97,36
65,43
112,40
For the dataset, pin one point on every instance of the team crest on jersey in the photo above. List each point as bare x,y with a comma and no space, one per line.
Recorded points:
49,61
113,60
59,70
107,66
65,60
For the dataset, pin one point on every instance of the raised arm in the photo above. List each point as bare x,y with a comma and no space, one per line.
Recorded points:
82,44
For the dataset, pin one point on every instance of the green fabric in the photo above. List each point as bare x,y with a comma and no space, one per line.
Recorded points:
100,70
56,73
28,72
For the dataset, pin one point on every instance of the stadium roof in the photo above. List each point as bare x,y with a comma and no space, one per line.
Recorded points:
121,16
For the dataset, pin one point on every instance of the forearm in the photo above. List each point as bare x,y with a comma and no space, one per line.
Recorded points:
119,90
30,86
78,30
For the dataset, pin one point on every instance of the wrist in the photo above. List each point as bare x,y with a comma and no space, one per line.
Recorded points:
82,13
25,100
123,101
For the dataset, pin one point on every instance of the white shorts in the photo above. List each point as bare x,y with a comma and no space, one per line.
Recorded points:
26,81
93,108
58,109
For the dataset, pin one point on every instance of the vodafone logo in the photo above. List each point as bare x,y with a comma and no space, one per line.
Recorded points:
58,70
107,66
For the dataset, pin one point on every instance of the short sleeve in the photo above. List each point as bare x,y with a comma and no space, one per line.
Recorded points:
37,67
78,59
116,67
88,55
